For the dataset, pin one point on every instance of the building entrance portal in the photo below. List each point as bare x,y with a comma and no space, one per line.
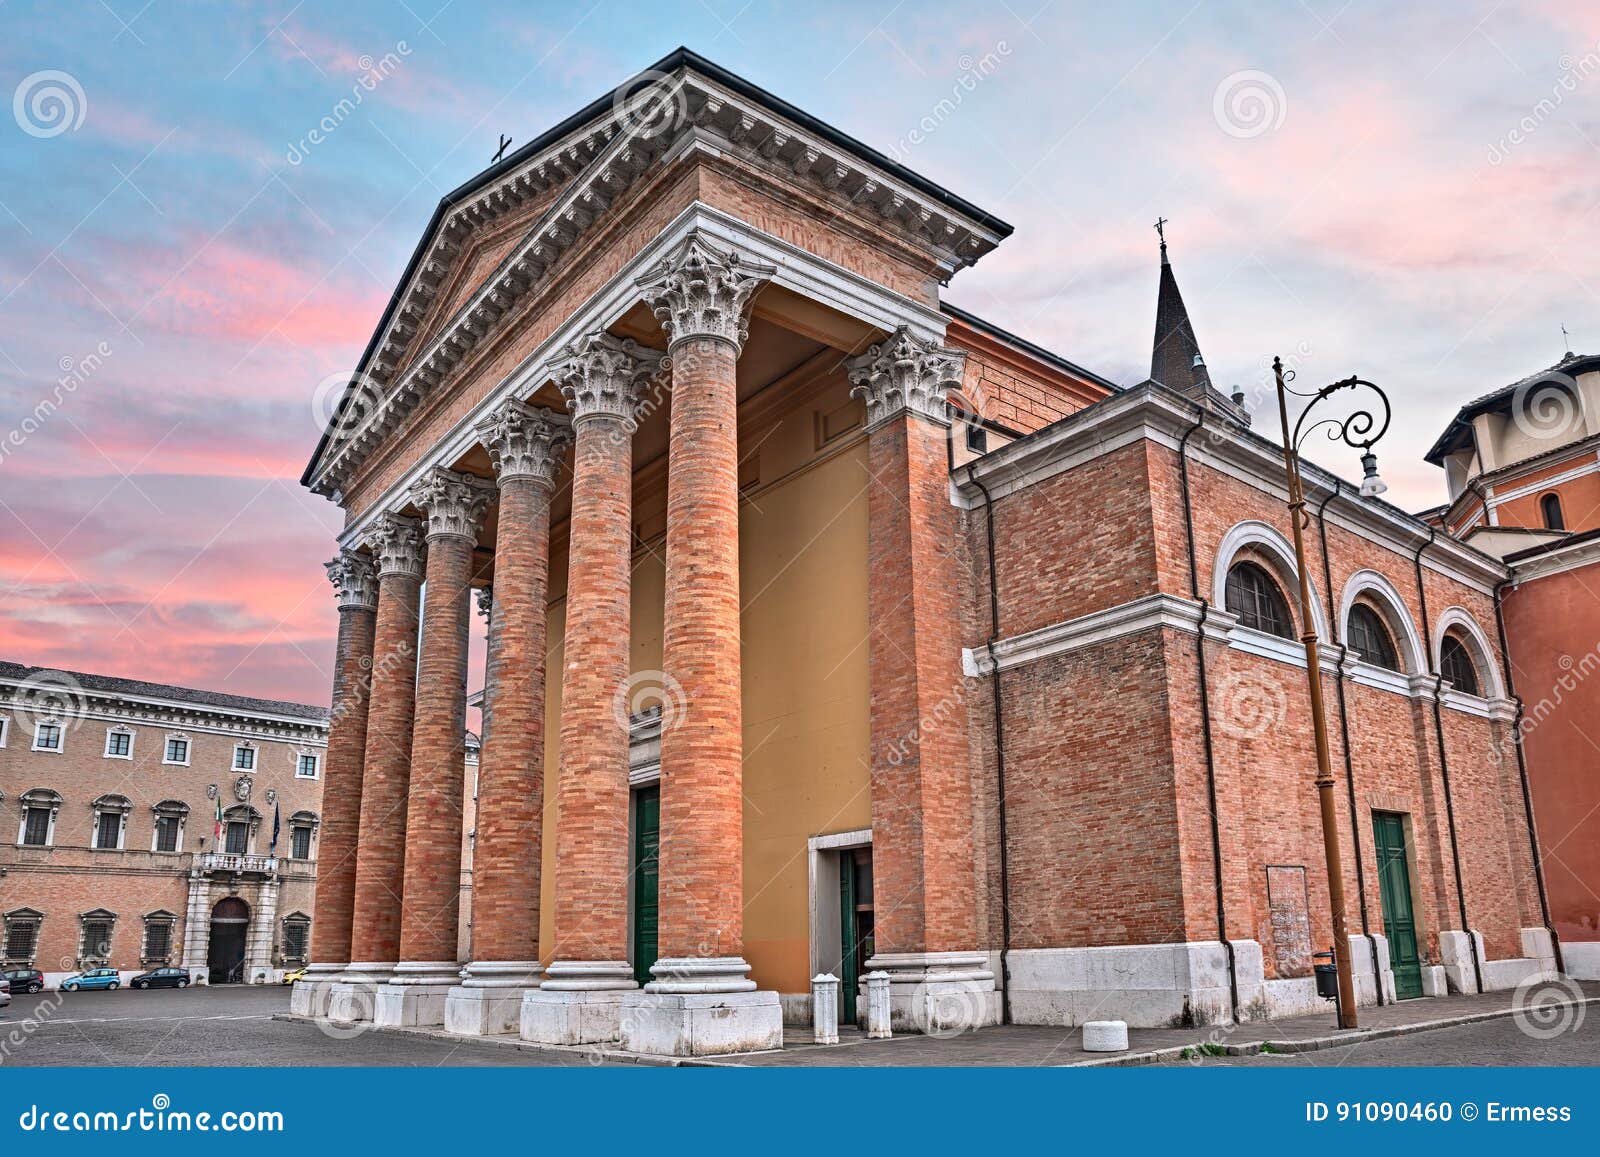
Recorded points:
230,920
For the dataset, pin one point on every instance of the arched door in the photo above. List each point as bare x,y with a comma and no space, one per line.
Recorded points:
230,920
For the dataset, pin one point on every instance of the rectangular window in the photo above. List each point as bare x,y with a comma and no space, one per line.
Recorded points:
166,833
300,844
296,933
107,830
306,768
244,758
97,938
47,737
157,940
177,751
238,837
119,744
5,730
22,936
36,827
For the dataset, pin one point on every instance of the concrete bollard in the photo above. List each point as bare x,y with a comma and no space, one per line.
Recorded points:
825,1009
1105,1036
878,1006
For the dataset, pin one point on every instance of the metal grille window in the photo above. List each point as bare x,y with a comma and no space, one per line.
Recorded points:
296,937
1456,665
108,830
22,936
97,931
36,827
157,939
1255,598
1371,639
300,844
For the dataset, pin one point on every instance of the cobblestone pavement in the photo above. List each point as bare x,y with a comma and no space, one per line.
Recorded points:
1494,1042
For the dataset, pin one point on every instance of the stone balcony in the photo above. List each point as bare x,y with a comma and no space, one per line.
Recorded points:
237,862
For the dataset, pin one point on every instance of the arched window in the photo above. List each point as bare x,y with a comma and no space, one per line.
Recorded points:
1550,509
1456,665
1254,596
1370,638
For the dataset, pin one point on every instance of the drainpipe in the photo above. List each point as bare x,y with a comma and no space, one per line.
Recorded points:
1205,711
1335,626
999,748
1444,761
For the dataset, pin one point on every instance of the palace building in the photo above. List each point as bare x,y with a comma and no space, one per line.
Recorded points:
837,630
156,826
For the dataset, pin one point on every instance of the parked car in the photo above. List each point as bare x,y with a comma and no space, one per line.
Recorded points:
91,979
25,980
161,978
5,993
293,975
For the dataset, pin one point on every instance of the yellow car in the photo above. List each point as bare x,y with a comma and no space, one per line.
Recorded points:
294,975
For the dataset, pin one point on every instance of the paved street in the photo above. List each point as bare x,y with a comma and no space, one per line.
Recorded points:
1495,1042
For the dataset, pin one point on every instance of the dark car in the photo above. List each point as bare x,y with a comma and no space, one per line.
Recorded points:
5,993
25,980
162,978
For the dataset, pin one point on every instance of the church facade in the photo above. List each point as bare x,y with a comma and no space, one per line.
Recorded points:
834,630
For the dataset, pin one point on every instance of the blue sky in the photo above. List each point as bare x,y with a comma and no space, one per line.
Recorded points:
1405,192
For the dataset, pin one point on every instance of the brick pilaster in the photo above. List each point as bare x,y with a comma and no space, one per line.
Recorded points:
431,899
356,580
380,850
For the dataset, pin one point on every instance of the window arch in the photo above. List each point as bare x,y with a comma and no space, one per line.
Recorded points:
1369,637
1550,511
1371,590
1263,545
1456,665
1255,597
1464,655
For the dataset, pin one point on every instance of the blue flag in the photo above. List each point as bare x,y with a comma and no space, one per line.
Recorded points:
275,824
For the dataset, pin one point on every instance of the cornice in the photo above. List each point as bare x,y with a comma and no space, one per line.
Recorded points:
189,716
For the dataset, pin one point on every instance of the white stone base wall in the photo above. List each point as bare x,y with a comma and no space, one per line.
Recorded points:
1581,959
1456,951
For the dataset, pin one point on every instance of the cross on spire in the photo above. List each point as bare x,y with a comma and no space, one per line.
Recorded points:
1566,338
1161,229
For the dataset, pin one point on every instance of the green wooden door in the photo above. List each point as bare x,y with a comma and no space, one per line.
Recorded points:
646,880
1399,921
855,926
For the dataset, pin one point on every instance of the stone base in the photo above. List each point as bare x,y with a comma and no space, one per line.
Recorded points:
1581,959
414,997
938,993
310,997
573,1018
488,1001
701,1024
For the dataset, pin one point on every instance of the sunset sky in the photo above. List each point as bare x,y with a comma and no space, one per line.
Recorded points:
1406,195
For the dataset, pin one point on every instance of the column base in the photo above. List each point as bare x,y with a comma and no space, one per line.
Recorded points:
310,996
701,1007
353,994
488,1001
938,993
579,1003
415,996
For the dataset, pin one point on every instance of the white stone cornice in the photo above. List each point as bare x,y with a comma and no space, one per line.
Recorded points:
600,377
355,578
455,503
701,291
525,441
397,543
905,373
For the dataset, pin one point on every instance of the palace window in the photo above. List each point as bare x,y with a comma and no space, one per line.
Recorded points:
238,837
296,937
177,750
1550,509
1370,639
5,729
94,941
110,821
168,836
47,737
158,937
302,825
306,765
1252,595
38,827
1456,665
22,935
119,744
244,758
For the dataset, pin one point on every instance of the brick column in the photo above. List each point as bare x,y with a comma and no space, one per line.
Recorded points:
581,996
701,999
354,577
454,505
525,445
923,879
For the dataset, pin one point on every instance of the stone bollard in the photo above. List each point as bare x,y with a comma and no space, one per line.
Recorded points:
1105,1036
878,1006
825,1009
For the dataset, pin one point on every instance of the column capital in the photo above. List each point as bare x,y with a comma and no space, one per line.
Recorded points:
701,291
600,375
355,579
486,600
525,441
455,503
396,543
905,373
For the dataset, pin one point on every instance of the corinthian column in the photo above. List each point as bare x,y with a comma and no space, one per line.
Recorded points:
701,998
581,996
923,878
397,546
356,582
525,445
431,897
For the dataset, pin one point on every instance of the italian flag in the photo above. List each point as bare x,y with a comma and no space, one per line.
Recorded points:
217,837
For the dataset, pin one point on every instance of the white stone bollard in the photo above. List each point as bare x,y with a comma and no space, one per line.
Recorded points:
1105,1036
878,1006
825,1009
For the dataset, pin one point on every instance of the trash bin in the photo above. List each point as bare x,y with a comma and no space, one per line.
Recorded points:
1327,976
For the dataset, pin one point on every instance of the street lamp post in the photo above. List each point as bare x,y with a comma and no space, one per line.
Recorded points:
1359,430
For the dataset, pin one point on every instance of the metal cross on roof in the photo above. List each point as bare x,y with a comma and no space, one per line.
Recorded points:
1161,229
501,151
